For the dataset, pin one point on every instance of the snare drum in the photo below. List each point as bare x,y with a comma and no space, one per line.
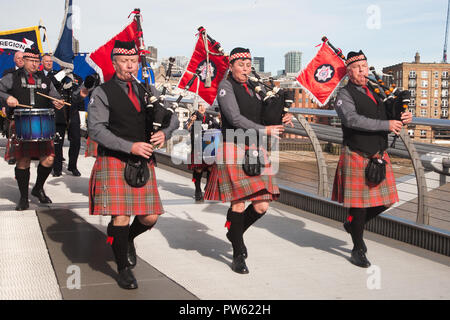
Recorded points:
35,124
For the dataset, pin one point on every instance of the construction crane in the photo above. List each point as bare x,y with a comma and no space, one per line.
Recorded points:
444,59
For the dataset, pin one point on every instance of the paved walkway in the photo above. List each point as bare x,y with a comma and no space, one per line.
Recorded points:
47,251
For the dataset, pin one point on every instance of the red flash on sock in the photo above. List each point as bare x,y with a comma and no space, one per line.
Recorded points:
350,218
228,225
110,240
193,180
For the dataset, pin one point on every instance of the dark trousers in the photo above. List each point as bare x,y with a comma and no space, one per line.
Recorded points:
59,143
74,136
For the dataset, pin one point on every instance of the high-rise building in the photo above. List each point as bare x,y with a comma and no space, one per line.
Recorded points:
428,84
258,63
153,54
292,62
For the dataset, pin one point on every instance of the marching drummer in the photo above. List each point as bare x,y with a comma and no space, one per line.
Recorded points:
20,89
205,121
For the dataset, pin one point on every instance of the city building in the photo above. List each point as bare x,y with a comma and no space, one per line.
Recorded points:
428,84
153,56
258,63
292,62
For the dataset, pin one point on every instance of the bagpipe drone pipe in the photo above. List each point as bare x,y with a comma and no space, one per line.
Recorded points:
156,113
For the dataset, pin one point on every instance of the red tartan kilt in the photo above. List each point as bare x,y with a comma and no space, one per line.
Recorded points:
16,149
109,193
91,148
351,188
228,182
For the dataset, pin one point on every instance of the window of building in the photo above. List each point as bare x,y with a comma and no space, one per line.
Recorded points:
423,112
445,93
436,74
435,102
412,74
424,103
424,74
413,92
444,83
411,133
445,74
435,112
436,93
412,102
444,103
424,93
412,83
423,132
425,83
436,84
413,111
445,112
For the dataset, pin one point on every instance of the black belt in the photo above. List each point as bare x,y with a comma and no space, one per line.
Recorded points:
122,156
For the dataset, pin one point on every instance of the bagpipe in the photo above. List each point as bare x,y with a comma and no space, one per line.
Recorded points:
276,101
395,99
156,113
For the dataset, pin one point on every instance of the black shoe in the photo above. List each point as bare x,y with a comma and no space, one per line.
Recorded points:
243,248
131,254
75,172
238,265
12,161
199,195
57,173
40,194
23,204
359,258
126,279
348,228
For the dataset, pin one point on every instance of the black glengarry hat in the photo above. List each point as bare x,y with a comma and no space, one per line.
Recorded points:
240,53
353,56
124,48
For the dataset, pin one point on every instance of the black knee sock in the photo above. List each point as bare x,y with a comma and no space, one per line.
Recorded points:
373,212
137,228
23,179
357,227
197,177
251,216
235,224
119,244
42,175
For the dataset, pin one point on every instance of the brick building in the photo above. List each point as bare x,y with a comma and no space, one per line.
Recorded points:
429,86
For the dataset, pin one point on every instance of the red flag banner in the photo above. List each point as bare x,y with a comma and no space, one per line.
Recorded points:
100,59
218,65
322,75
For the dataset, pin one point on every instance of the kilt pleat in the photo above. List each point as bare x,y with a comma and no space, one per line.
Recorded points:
91,148
109,193
351,188
228,181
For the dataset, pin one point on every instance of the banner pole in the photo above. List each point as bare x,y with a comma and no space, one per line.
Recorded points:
41,24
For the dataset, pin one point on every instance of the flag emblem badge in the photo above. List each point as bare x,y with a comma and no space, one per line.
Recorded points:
324,73
201,70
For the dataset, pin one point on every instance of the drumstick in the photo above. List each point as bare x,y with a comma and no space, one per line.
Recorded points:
24,106
51,98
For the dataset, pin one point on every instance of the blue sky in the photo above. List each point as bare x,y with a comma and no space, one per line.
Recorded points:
389,32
